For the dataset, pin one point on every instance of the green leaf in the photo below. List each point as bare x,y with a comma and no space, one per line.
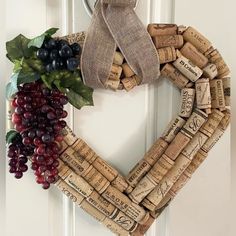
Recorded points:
38,41
17,48
14,80
17,66
10,90
27,77
48,80
11,134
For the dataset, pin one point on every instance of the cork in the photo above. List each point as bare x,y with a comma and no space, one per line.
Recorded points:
162,41
148,205
10,111
156,151
217,94
91,210
194,145
212,123
177,145
115,72
210,71
142,229
210,143
115,228
187,102
77,163
124,221
112,84
138,213
138,172
62,146
63,170
97,180
127,70
101,204
148,183
118,59
120,183
187,68
79,184
85,151
69,136
197,39
174,75
73,195
190,85
226,86
173,128
203,95
162,29
75,38
194,123
181,29
196,57
222,68
107,170
167,54
129,83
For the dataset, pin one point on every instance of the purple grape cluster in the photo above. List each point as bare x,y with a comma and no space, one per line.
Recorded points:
59,55
38,117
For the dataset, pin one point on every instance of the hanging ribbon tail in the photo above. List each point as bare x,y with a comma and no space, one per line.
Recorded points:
114,23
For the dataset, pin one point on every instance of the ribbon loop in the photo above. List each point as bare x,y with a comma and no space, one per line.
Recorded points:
114,23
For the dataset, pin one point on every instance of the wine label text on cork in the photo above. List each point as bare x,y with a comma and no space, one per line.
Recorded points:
187,102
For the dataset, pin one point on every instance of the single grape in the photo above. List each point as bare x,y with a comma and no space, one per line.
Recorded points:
72,64
42,54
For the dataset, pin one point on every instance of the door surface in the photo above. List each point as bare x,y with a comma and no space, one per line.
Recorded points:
120,128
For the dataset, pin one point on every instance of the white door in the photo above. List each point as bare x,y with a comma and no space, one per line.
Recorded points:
120,128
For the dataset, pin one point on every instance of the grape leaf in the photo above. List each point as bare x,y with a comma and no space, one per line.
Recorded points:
38,41
10,90
11,134
17,48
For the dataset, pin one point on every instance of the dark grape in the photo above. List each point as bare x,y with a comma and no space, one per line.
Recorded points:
58,64
72,64
49,68
42,54
66,52
75,48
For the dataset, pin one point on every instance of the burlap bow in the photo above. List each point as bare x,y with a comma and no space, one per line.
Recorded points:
114,23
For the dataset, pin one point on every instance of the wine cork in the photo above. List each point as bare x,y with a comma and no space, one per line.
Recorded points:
115,228
10,110
203,95
115,72
222,68
187,101
163,41
194,145
137,213
181,29
75,38
226,86
73,195
124,221
213,121
196,162
148,205
187,68
194,123
173,128
79,184
197,39
196,57
118,59
63,170
120,183
97,180
142,229
217,94
190,85
62,146
91,210
129,83
128,72
210,71
85,151
210,143
112,84
162,29
101,204
77,163
174,75
167,54
68,136
177,145
138,172
156,151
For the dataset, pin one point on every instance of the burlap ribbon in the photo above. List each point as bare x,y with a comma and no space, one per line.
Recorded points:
114,23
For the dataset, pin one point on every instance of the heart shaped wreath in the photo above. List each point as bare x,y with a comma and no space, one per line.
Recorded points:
47,75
